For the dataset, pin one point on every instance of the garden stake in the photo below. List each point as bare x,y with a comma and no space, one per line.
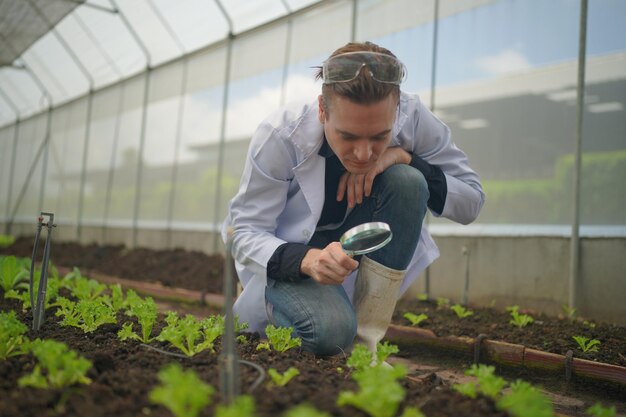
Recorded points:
569,359
229,363
38,305
477,342
466,253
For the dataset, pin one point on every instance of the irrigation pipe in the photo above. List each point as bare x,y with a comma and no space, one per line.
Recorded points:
257,367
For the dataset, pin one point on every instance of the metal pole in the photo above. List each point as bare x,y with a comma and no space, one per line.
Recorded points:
433,78
142,136
580,102
16,130
283,90
179,122
353,22
229,360
225,98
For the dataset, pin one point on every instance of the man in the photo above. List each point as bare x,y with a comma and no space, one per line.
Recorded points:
365,151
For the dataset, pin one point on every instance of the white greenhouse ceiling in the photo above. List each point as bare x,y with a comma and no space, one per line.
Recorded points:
53,51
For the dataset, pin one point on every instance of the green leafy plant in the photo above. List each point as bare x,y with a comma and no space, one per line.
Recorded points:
6,241
86,314
586,344
460,311
181,392
361,357
415,319
487,383
242,406
305,410
12,339
570,312
279,338
517,319
597,410
82,287
146,312
442,302
282,379
12,273
422,296
191,335
63,367
524,400
379,393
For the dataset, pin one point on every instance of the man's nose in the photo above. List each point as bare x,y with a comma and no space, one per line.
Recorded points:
363,150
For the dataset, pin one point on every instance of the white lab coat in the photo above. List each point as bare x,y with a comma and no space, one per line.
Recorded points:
281,194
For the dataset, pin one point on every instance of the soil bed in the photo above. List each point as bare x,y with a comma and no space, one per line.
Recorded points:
123,373
200,272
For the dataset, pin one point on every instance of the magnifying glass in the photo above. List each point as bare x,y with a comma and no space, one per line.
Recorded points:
365,238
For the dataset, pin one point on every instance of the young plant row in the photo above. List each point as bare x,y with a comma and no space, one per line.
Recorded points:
519,320
88,305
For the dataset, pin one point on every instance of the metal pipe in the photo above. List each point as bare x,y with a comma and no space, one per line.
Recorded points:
142,136
287,56
179,123
16,130
580,102
433,78
353,21
225,99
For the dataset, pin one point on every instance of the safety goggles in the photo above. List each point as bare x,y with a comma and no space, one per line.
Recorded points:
346,67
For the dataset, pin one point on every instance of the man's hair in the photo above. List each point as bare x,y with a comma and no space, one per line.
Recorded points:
363,89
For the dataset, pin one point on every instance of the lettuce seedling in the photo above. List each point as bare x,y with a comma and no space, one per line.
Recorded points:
242,406
12,273
63,367
82,287
524,400
12,339
146,312
185,333
85,314
460,311
279,338
415,319
380,394
181,392
517,319
361,357
597,410
6,241
442,302
488,383
587,345
305,410
282,379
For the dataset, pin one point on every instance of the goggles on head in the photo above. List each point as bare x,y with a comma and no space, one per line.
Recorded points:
346,67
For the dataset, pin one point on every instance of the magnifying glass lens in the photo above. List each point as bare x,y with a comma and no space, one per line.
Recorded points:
366,238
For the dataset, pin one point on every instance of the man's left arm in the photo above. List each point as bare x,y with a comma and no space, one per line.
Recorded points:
444,166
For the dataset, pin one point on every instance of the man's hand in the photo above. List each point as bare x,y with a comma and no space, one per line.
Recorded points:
328,266
355,186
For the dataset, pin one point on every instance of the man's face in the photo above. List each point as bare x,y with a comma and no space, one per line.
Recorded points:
358,133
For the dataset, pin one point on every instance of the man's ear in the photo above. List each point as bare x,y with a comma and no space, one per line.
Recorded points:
321,113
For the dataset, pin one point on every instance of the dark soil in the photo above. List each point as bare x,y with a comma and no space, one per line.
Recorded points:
176,268
549,334
123,373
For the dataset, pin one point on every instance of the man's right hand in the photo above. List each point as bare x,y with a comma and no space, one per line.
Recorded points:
328,266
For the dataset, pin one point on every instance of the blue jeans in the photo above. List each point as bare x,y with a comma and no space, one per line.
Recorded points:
321,315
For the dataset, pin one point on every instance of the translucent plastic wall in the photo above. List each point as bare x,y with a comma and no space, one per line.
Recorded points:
164,148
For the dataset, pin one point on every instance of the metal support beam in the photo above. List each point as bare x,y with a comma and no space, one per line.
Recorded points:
580,103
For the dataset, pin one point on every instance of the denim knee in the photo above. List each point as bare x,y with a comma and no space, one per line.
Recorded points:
403,184
321,315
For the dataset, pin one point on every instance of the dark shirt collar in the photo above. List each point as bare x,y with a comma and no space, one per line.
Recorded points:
326,151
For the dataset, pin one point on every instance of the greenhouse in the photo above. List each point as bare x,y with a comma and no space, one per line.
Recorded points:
168,176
